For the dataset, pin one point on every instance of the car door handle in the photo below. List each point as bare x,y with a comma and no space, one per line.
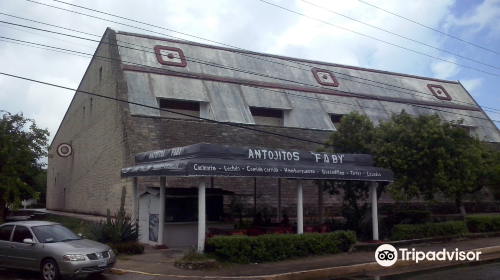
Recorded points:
12,246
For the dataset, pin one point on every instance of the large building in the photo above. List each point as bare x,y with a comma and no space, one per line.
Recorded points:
274,101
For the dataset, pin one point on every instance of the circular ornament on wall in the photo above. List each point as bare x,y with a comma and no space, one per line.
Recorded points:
64,150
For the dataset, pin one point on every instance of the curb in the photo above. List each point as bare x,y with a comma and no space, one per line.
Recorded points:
367,247
324,272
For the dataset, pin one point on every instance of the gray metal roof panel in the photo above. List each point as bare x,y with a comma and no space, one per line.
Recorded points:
308,112
256,97
227,104
140,92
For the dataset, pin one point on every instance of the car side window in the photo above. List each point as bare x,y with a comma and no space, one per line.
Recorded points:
21,233
5,232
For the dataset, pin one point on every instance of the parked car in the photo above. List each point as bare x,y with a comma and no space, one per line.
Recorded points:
24,215
52,249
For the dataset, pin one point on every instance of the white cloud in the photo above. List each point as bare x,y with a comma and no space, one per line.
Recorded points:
472,85
483,17
445,70
338,45
49,104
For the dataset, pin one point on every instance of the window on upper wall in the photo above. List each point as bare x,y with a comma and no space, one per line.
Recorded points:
471,130
267,116
335,118
190,108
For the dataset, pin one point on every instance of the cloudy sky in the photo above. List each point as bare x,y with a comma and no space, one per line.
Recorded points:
331,31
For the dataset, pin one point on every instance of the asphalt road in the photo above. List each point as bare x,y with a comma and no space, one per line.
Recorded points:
9,274
482,272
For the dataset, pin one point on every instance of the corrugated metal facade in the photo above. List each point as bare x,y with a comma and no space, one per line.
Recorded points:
228,82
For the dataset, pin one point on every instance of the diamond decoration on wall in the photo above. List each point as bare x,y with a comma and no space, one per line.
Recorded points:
170,56
325,77
439,92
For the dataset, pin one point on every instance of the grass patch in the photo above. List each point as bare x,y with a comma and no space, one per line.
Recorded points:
76,225
193,260
193,256
122,257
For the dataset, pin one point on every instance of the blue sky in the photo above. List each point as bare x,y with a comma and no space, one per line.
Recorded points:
257,26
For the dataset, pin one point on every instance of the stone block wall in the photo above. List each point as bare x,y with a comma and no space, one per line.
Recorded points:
154,133
88,181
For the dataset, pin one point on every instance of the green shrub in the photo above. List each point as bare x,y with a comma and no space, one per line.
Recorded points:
127,248
97,231
114,230
412,217
277,247
483,223
408,232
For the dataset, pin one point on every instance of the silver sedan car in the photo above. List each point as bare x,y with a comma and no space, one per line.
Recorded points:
52,249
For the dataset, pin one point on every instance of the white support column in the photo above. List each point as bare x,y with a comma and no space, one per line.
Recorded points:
163,185
374,210
320,202
201,214
135,215
300,213
278,210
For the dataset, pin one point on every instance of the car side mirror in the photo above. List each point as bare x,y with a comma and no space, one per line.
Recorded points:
28,241
81,235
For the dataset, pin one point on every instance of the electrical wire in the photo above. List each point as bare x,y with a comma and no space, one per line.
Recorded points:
433,29
398,35
380,40
187,35
317,99
296,95
266,89
230,67
427,95
161,109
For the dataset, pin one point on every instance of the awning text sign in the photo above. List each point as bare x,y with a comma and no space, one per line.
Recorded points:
222,160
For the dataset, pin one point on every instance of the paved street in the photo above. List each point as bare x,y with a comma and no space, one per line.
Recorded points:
7,274
490,271
483,272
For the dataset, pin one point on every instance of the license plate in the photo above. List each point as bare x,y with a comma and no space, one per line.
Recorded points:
101,263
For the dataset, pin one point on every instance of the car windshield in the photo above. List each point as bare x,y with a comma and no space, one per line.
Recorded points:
54,233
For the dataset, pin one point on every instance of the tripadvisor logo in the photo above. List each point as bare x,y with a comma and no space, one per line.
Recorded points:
387,255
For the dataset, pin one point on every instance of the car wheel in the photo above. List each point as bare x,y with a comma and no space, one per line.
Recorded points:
50,270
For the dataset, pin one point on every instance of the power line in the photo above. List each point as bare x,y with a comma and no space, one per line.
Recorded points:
296,95
427,95
49,48
220,44
401,36
44,35
359,33
300,96
161,109
49,24
433,29
217,43
212,64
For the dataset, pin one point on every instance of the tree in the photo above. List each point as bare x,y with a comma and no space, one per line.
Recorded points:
22,145
429,158
354,136
40,186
